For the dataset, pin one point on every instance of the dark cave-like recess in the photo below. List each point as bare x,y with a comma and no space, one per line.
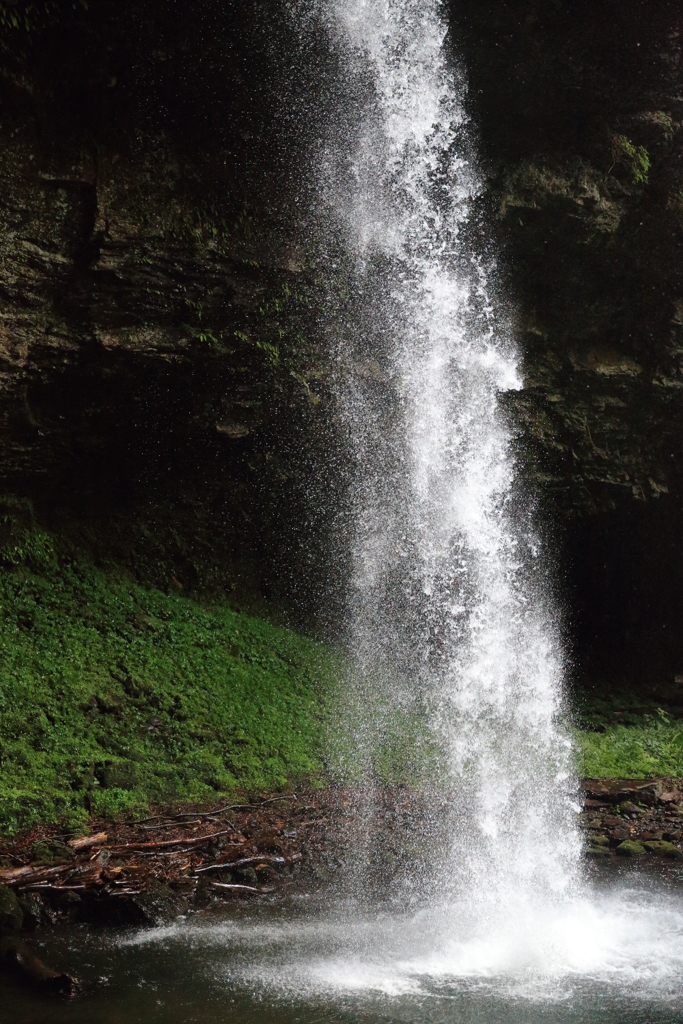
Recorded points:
165,400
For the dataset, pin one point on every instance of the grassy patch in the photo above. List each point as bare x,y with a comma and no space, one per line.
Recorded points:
655,747
113,696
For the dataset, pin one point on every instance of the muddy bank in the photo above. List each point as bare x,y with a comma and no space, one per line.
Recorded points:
150,871
633,817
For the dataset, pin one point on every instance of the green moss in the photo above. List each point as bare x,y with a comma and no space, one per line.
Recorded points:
664,849
629,848
654,747
113,696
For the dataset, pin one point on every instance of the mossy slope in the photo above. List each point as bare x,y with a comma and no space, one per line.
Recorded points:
113,696
652,748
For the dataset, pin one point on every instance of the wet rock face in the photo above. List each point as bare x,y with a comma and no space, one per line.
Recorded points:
630,817
162,399
11,914
156,384
580,112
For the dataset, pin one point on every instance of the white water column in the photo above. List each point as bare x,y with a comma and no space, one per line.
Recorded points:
449,615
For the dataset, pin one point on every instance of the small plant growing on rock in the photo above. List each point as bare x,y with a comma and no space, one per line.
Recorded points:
636,158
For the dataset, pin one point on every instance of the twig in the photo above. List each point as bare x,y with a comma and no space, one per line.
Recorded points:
175,842
227,865
163,853
233,807
154,817
243,888
170,824
55,888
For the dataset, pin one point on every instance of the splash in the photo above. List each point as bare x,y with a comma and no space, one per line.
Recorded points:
448,614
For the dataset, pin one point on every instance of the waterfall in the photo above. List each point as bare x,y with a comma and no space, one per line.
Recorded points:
449,614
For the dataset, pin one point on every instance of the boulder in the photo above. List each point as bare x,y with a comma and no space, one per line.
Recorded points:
629,848
618,791
33,909
17,959
664,849
11,914
629,808
158,904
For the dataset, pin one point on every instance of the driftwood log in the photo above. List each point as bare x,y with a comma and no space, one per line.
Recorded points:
19,961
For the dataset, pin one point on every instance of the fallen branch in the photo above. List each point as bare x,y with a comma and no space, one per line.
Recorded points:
10,876
233,807
174,842
42,886
83,844
208,814
229,864
171,824
244,888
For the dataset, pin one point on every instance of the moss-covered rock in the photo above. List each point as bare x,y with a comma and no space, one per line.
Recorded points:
664,849
630,848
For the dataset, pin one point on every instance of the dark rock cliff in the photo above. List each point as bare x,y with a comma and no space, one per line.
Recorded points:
158,383
162,400
580,114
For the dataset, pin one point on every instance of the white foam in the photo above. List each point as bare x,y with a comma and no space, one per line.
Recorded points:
628,943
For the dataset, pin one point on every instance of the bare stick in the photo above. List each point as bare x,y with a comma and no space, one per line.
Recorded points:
174,842
228,864
83,844
243,888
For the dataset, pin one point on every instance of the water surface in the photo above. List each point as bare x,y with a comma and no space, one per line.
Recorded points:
614,956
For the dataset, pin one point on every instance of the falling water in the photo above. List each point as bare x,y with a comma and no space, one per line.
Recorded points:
448,613
449,624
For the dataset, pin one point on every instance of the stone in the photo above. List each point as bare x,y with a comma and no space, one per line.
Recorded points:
19,960
629,808
33,909
11,914
630,848
50,851
619,791
599,840
597,851
664,849
155,905
65,901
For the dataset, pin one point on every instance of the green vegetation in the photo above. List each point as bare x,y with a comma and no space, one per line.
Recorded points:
32,15
636,158
113,697
654,747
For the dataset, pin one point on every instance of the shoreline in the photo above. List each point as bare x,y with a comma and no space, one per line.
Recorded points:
152,870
